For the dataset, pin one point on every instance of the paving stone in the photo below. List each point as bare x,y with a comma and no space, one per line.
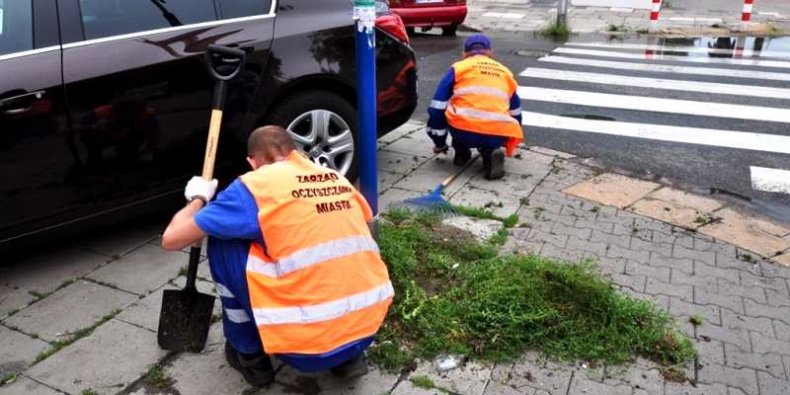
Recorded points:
123,240
145,312
676,264
641,374
612,265
143,270
17,350
551,153
495,388
673,388
769,269
387,180
513,184
582,385
394,196
755,309
43,273
710,351
612,190
74,307
782,331
710,284
579,233
593,248
412,144
13,299
111,358
641,269
398,163
707,257
735,336
744,378
642,245
753,293
406,387
773,284
551,378
749,232
545,237
469,379
206,372
604,228
616,251
637,283
716,246
25,386
623,241
783,259
707,270
489,200
771,363
727,261
710,313
762,345
732,302
772,385
684,292
431,173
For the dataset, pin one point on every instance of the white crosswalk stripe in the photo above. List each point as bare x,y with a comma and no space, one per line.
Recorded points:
698,105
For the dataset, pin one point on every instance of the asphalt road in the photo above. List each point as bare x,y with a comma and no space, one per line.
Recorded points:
718,161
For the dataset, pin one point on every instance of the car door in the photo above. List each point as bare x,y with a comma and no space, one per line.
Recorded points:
139,95
40,186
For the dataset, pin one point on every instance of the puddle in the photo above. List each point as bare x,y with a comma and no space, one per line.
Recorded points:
700,47
593,117
773,209
531,53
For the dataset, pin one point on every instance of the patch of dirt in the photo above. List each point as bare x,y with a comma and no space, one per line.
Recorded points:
451,235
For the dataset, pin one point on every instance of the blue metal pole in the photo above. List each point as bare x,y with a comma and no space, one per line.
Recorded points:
365,36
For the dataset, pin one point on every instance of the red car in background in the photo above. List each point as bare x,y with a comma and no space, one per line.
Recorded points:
426,14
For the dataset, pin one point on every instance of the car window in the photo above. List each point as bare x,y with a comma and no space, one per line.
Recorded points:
16,26
241,8
102,18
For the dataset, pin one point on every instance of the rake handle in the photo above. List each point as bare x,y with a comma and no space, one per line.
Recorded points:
449,180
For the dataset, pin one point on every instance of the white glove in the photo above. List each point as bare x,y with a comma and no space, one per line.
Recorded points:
198,187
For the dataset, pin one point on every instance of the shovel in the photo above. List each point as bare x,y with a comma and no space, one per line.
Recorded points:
186,314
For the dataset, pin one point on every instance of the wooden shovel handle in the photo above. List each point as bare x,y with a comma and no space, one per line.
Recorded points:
211,144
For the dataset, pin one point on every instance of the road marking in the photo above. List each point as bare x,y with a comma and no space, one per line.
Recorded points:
656,83
664,68
679,134
695,19
624,55
653,104
669,48
770,180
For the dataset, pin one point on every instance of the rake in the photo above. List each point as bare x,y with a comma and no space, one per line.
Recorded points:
433,202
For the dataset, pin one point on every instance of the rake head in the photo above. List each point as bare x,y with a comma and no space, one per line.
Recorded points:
432,203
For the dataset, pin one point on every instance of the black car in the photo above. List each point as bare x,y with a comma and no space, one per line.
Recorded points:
104,104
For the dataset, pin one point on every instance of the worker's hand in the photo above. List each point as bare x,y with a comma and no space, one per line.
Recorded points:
440,150
200,188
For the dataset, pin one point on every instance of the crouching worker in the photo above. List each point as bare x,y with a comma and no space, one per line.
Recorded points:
296,268
477,101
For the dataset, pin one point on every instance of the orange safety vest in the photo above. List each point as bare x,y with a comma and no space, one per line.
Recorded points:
318,282
481,100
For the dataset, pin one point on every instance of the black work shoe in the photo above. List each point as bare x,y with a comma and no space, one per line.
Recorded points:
351,369
461,157
496,167
256,369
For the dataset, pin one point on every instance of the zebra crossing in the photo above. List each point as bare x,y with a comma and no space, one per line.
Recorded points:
710,96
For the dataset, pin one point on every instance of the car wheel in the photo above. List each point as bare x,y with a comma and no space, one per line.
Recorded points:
323,125
449,30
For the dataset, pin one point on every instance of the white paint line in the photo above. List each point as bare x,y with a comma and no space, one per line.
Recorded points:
770,180
663,68
668,48
773,14
695,19
677,134
653,104
504,15
657,83
623,55
621,9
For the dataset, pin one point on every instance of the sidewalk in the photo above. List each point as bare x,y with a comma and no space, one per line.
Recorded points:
114,286
712,17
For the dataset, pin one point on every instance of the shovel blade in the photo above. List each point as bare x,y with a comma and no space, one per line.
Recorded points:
184,320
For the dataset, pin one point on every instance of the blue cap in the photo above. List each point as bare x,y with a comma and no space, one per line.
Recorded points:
477,42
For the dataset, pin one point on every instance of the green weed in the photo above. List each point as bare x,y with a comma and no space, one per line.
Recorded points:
557,31
696,320
58,345
422,381
8,378
455,296
88,391
157,377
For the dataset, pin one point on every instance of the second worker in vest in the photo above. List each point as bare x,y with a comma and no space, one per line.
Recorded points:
477,103
294,263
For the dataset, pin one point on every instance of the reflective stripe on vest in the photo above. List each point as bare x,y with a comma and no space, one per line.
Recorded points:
489,116
481,90
237,316
324,311
438,104
312,256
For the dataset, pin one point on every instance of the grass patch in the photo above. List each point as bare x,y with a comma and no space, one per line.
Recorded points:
8,378
474,212
422,381
88,391
58,345
157,377
455,296
557,31
696,320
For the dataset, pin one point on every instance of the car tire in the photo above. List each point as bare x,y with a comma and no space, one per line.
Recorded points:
299,111
450,31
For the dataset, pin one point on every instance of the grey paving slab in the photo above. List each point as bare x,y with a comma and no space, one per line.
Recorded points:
681,308
657,287
74,307
737,337
763,344
550,377
581,385
406,387
747,292
404,130
768,362
397,162
121,240
642,269
495,388
13,299
45,272
26,386
206,372
711,351
143,270
387,179
755,309
704,296
761,325
17,350
413,144
395,196
708,283
145,312
672,388
512,184
292,381
500,204
469,379
743,378
771,385
525,162
108,360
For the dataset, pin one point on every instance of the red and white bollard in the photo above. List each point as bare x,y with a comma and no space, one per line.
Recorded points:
654,13
746,16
